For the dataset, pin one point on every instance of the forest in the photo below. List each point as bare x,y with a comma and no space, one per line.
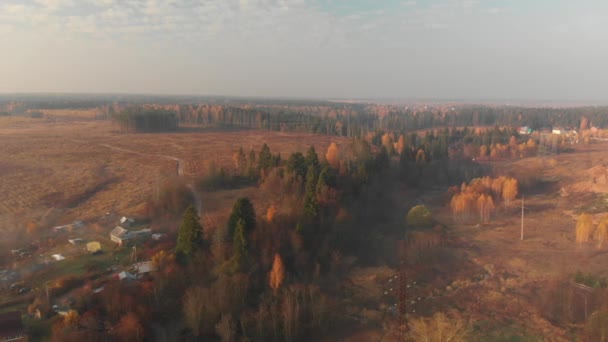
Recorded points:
358,120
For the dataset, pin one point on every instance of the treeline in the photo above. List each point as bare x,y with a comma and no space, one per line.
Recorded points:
357,120
481,196
146,119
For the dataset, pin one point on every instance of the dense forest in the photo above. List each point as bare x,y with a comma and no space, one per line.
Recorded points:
146,119
318,116
358,120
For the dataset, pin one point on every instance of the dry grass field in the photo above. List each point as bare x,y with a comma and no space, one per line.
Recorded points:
518,272
65,169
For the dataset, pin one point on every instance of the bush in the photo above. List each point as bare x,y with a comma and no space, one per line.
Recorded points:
419,217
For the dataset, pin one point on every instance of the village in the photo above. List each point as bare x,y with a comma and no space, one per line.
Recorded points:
81,257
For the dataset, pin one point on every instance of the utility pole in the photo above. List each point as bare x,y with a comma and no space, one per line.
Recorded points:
522,217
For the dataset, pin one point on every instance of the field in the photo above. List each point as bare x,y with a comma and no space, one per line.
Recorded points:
54,172
515,275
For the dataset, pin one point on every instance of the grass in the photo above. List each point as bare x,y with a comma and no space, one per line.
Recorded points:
58,165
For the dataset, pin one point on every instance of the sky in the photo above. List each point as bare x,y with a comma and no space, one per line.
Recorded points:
409,49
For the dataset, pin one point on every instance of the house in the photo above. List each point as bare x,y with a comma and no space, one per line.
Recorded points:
58,257
94,247
127,221
119,235
158,236
525,130
125,275
144,267
11,327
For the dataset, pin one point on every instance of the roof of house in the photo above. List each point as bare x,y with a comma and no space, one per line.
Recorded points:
145,267
58,257
93,246
10,323
118,231
125,219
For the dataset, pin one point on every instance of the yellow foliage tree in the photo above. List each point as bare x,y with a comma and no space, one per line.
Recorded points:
601,232
271,213
332,156
277,273
509,190
481,207
489,207
401,144
483,151
439,328
387,141
584,228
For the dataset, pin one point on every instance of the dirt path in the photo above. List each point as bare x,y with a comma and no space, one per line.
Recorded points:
179,170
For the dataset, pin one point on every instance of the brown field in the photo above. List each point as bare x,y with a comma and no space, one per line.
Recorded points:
518,272
66,169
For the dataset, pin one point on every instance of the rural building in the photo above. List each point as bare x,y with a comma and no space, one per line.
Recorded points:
144,267
558,130
93,247
158,236
58,257
11,327
120,235
125,275
127,221
525,130
75,241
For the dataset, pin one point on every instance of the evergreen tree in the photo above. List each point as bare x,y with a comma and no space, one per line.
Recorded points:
312,159
311,206
297,164
190,236
239,244
242,210
265,159
327,177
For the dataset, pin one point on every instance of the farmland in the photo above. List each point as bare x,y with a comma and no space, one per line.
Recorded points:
75,168
62,171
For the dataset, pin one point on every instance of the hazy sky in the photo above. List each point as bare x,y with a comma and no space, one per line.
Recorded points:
519,49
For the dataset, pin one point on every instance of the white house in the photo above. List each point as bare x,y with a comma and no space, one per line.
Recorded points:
127,221
144,267
119,235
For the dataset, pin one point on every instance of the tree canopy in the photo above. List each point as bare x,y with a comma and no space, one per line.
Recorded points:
419,217
190,235
242,210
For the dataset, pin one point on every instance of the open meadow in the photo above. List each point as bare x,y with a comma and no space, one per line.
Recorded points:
54,172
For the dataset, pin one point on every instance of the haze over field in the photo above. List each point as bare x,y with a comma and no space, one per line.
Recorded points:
533,50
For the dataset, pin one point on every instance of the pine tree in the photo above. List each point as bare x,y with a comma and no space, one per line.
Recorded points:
239,244
311,206
265,159
312,159
297,164
242,209
190,236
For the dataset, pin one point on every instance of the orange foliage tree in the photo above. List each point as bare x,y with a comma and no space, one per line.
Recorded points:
332,156
277,273
584,228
